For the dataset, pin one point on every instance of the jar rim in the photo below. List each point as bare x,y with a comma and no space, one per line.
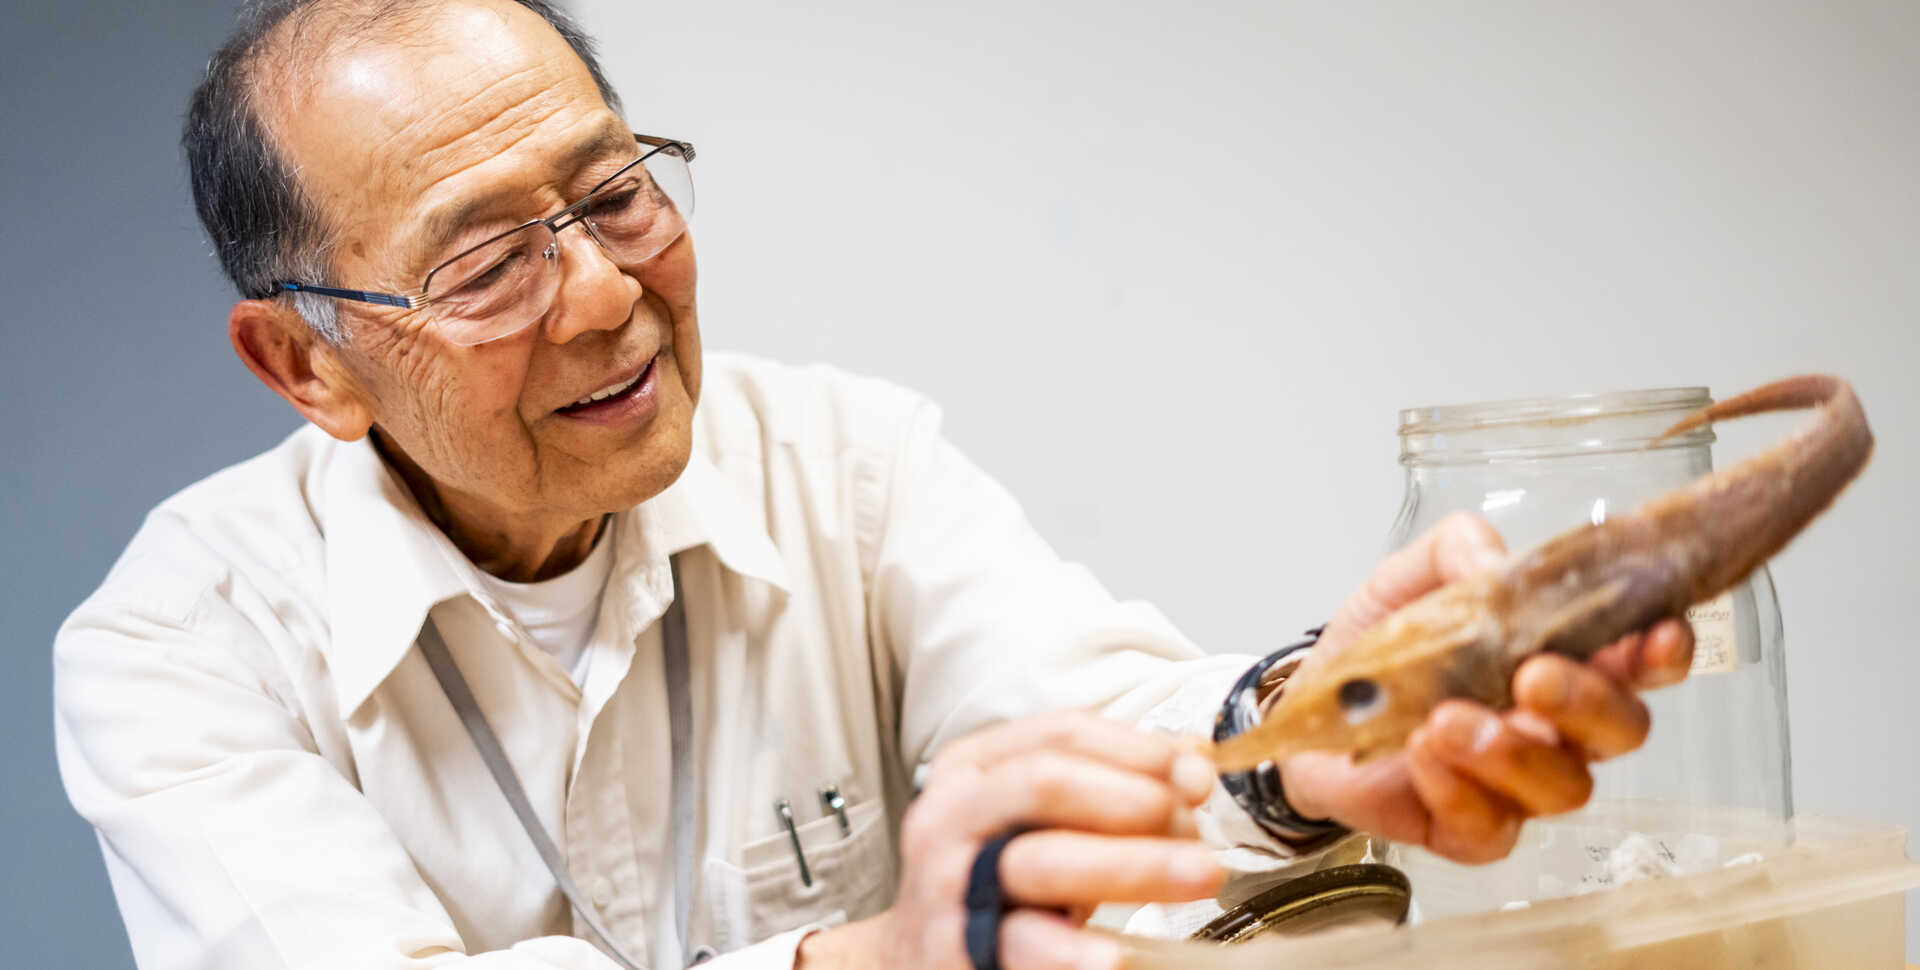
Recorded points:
1569,408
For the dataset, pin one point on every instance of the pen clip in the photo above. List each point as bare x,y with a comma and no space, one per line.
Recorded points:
830,800
785,810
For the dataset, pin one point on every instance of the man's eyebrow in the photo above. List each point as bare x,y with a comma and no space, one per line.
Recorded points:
443,222
608,142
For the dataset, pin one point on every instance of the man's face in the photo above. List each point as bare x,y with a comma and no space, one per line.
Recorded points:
479,103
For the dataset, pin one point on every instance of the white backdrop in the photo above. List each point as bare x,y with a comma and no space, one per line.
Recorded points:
1173,267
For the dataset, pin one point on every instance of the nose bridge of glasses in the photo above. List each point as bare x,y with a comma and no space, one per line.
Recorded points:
587,228
563,220
555,244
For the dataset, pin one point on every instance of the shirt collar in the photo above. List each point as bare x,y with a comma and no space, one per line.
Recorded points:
385,569
388,564
702,508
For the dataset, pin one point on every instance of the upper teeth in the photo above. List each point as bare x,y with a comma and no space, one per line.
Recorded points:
609,391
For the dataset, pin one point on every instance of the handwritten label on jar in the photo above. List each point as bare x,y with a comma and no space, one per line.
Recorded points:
1715,649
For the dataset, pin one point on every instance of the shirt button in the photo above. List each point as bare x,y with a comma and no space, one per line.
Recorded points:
602,893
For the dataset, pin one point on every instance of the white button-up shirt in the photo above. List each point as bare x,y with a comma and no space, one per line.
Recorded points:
278,781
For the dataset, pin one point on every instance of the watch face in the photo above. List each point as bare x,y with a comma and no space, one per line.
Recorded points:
1342,896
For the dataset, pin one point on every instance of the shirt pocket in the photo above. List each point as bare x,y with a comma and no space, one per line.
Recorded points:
763,896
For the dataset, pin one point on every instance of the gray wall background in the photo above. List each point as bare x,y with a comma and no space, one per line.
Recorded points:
1170,267
117,388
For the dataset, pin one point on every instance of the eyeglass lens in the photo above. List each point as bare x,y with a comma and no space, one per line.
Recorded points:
505,284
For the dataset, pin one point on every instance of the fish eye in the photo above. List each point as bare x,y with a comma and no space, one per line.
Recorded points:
1361,698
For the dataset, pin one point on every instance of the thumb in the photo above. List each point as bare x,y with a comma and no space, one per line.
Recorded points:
1460,545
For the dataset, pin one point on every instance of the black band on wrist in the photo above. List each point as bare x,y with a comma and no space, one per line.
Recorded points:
1258,790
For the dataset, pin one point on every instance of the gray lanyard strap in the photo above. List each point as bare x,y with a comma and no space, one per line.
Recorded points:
673,636
674,632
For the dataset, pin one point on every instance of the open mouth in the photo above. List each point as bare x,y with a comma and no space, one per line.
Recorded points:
613,394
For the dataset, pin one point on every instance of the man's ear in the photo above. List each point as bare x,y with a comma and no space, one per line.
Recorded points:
300,366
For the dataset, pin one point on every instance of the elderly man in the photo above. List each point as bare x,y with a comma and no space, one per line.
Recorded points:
555,643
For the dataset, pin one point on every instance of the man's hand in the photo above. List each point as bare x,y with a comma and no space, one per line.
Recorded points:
1468,777
1112,816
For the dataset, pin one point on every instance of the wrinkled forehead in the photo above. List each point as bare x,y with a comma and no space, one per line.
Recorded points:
377,118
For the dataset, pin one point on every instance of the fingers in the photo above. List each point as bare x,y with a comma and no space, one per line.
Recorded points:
1659,657
1461,545
1069,770
1375,796
1060,868
1056,789
1582,704
1469,823
1417,797
1112,812
1541,777
1462,787
1154,755
1031,939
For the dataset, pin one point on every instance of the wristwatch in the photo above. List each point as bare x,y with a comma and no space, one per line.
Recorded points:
1257,791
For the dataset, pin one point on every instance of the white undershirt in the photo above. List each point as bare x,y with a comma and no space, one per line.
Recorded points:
560,613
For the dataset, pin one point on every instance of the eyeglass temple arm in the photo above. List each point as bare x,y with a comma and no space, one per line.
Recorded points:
360,296
686,147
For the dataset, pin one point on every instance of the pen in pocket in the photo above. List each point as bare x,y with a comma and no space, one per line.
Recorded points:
785,810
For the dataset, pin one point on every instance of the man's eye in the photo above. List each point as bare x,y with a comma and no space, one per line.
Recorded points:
495,273
614,203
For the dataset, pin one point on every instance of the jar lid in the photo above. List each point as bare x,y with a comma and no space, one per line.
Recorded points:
1333,897
1548,426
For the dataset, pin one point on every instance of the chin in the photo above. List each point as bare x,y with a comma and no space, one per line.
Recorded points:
648,469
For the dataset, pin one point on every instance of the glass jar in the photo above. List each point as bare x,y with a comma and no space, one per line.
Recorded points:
1713,781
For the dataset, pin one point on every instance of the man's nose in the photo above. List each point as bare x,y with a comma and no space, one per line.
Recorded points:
594,294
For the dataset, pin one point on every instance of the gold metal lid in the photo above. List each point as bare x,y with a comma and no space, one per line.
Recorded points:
1340,896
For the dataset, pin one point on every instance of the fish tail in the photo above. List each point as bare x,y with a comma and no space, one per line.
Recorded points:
1751,510
1792,393
1589,587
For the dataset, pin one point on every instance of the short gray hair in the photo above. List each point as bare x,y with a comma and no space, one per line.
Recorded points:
263,227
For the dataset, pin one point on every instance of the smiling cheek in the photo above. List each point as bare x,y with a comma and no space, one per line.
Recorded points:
459,418
686,358
672,277
484,405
